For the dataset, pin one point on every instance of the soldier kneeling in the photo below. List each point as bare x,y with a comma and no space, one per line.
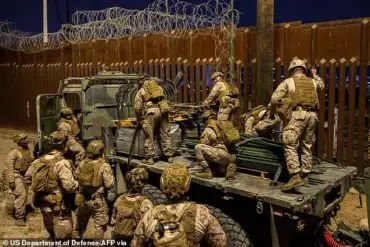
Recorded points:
131,206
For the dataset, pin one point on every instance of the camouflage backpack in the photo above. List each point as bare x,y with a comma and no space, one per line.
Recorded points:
175,229
44,179
88,175
153,91
128,216
232,92
255,113
227,131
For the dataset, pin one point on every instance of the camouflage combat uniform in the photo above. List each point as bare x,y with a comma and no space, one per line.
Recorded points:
262,125
69,128
17,163
224,112
152,122
58,223
205,226
196,222
95,206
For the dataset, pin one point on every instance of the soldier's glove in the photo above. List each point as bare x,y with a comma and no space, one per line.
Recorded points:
12,186
111,196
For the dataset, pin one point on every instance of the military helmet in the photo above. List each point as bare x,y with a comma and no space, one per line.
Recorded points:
175,181
136,178
297,63
19,136
56,138
214,75
66,111
144,76
95,147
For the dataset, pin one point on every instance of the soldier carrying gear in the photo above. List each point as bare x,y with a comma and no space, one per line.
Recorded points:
17,163
68,126
95,177
181,223
296,102
130,207
216,147
152,109
225,96
260,122
53,184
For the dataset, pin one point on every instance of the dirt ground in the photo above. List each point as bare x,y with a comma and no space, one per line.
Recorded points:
349,212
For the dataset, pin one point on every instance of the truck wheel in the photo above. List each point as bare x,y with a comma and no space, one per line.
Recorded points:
236,236
154,194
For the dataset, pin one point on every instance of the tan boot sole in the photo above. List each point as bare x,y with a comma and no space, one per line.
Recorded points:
203,175
292,187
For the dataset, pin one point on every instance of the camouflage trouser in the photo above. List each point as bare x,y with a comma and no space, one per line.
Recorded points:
264,127
20,194
58,224
298,134
213,155
75,147
153,122
98,209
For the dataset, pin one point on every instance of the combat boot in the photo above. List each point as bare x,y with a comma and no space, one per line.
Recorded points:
206,174
294,182
230,171
149,161
304,177
20,222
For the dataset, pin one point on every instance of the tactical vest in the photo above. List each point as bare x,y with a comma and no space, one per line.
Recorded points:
128,216
305,94
88,175
226,131
255,114
75,130
153,92
229,96
25,161
175,229
44,179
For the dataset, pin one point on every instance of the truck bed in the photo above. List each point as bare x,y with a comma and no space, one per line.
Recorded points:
325,190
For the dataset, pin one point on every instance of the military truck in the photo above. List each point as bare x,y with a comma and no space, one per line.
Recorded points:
251,209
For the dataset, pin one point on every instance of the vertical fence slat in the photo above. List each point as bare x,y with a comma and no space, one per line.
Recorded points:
197,80
351,110
286,50
238,78
126,68
341,105
179,88
246,86
151,67
204,79
161,73
191,81
156,67
186,81
168,72
277,72
211,65
321,130
254,82
330,135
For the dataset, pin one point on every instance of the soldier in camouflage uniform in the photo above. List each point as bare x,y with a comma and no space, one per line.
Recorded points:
148,111
53,185
68,126
212,150
130,207
189,222
299,127
220,99
94,176
17,163
260,122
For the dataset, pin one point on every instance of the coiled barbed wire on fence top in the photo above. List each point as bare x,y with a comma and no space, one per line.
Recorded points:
212,18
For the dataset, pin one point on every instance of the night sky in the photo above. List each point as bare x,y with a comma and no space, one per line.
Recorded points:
27,14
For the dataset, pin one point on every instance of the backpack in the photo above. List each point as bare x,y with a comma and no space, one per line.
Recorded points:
174,229
128,216
153,92
229,133
88,174
233,96
44,179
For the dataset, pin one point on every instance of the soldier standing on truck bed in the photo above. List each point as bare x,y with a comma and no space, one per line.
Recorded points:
53,185
94,176
297,101
216,146
17,163
68,126
224,96
180,223
130,207
260,122
151,108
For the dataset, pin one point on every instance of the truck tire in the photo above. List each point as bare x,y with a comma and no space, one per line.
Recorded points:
155,195
236,236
